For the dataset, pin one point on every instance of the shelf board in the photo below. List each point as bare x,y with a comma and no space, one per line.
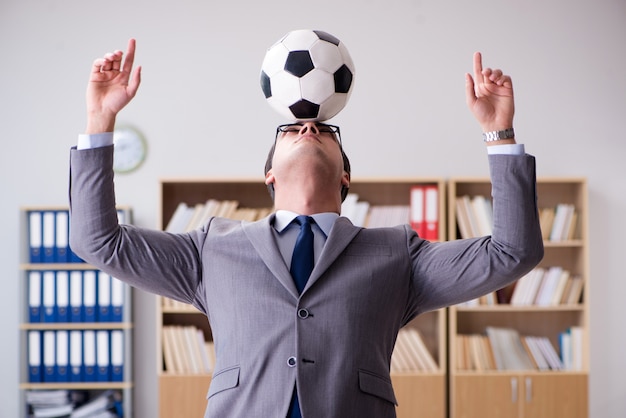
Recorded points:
76,325
78,385
565,243
180,311
518,372
57,266
522,309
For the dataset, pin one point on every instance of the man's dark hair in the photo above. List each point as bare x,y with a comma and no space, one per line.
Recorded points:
270,158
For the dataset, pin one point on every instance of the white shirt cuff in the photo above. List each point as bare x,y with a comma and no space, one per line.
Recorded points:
512,149
88,141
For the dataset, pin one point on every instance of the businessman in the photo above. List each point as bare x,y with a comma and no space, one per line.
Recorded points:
319,347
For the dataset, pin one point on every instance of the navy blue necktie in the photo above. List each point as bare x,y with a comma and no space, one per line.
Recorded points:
301,266
302,260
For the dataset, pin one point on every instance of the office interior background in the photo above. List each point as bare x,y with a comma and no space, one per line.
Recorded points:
202,111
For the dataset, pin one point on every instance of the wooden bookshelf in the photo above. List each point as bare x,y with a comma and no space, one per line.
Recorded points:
416,391
552,392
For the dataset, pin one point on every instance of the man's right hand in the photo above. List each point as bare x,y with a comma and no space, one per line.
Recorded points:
110,88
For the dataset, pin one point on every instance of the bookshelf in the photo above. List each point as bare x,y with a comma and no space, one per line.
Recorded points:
482,389
184,394
75,321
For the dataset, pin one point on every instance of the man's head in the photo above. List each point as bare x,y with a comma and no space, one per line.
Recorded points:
327,141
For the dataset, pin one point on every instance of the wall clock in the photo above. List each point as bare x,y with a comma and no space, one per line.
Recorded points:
130,149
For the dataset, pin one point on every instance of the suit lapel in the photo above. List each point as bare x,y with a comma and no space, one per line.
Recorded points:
261,235
341,234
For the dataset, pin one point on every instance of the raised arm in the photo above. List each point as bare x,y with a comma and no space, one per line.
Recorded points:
489,96
112,85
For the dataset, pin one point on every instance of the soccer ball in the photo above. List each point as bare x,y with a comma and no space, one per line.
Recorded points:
307,76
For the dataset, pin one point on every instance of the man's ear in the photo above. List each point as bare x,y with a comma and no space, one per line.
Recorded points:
345,179
269,178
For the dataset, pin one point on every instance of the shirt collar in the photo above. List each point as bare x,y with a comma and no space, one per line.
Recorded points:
324,220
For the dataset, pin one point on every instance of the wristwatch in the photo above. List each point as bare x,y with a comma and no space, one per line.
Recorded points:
497,135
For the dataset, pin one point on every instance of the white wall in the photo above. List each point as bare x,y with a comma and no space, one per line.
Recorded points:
202,110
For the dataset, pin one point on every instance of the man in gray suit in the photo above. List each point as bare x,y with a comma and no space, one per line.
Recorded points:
324,351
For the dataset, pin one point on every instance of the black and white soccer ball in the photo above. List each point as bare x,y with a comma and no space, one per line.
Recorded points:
307,75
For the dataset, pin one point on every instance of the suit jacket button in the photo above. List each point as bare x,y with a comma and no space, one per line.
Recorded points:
303,313
291,362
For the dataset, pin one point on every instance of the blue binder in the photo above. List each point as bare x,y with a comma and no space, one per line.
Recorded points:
117,355
35,235
62,356
103,356
89,356
89,295
62,234
34,296
76,356
34,357
48,236
49,296
104,297
62,296
49,356
76,296
117,299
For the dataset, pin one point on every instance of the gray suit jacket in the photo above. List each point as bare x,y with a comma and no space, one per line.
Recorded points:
335,340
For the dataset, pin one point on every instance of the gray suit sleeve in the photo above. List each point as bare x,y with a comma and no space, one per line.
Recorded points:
151,260
452,272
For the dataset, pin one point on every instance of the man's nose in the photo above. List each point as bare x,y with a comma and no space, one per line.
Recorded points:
309,126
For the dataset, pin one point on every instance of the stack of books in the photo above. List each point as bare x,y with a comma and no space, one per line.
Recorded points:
187,218
185,350
411,354
502,348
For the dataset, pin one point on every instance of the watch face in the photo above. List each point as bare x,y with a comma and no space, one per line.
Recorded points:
129,149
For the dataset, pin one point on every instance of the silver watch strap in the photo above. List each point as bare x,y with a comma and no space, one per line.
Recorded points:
497,135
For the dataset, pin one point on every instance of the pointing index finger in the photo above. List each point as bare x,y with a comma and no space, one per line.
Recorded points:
130,56
478,66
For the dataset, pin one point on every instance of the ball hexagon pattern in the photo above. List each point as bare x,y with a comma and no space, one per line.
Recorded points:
307,75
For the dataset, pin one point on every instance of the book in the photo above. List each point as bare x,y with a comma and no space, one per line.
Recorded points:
509,353
167,343
411,354
548,286
574,295
546,220
577,336
431,213
417,212
550,354
562,222
481,207
536,353
180,218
